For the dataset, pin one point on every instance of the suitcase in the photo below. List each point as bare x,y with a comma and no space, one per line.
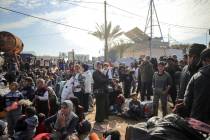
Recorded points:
147,108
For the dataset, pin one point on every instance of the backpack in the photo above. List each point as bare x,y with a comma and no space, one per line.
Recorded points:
147,107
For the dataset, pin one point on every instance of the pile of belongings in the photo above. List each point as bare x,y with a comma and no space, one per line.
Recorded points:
171,127
146,109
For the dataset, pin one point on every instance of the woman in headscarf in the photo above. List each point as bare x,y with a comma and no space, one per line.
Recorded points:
65,120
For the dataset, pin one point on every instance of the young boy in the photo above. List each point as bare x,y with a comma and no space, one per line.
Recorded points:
11,106
135,111
161,84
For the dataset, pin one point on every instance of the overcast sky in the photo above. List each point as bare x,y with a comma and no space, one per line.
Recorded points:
50,39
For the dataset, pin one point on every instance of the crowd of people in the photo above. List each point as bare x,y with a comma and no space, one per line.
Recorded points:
53,101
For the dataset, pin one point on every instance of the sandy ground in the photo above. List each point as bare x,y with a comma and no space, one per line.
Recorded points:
118,123
114,122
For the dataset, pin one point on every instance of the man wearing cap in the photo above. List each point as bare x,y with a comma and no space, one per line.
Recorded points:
197,95
192,67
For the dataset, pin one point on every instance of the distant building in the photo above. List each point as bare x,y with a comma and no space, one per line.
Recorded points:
63,55
141,45
78,57
81,57
100,58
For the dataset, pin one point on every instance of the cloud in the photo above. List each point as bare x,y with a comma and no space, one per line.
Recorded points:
27,21
171,11
7,3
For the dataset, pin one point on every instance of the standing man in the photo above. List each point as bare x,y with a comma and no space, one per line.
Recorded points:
197,95
78,84
100,91
171,69
192,67
88,81
146,69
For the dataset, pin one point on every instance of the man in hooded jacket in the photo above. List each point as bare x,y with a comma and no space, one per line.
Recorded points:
190,69
197,95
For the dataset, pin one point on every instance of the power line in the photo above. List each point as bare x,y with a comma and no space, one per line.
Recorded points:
93,2
44,19
95,9
124,10
169,24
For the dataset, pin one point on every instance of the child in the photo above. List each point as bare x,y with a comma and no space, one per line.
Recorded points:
41,126
25,127
117,98
161,84
135,110
12,107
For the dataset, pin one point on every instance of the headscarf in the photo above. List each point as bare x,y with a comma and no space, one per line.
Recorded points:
69,105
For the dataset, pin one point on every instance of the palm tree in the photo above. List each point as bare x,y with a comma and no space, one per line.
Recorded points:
118,49
121,47
112,33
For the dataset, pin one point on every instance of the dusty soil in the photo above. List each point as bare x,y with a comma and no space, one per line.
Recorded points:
114,122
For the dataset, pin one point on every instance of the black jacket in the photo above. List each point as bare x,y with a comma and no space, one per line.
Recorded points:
184,80
28,92
197,95
100,80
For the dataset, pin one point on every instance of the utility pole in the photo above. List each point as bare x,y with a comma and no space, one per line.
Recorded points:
209,41
73,56
150,24
168,37
207,38
105,34
151,20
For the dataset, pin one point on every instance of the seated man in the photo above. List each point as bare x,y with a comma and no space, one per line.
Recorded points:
65,120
